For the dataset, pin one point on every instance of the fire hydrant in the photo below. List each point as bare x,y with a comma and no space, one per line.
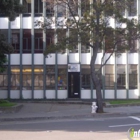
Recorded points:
94,107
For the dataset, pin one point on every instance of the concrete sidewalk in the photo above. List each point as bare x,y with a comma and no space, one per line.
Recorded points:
36,111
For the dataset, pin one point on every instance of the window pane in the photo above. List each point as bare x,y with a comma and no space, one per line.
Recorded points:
73,41
86,78
50,77
61,8
15,78
27,3
109,77
38,77
27,77
132,10
61,41
38,41
62,77
85,6
26,41
3,81
74,8
49,9
38,6
133,84
15,41
121,83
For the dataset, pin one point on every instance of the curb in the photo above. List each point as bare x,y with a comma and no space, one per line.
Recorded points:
105,104
100,115
122,105
12,109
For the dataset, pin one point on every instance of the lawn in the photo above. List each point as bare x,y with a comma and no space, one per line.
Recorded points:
5,103
125,102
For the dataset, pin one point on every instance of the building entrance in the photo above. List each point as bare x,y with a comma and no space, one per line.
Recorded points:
74,84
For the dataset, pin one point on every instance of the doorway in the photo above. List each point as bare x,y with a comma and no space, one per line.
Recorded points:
74,84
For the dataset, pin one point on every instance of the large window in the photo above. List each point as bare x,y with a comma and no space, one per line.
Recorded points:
73,41
132,10
85,76
62,77
26,41
73,6
49,9
50,40
121,81
85,6
109,77
38,41
133,84
15,78
38,7
27,3
61,9
15,41
98,74
61,40
50,77
3,81
27,78
38,78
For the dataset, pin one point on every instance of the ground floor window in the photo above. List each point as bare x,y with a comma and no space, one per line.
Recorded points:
121,79
50,77
85,76
109,77
3,81
133,77
36,79
62,77
15,78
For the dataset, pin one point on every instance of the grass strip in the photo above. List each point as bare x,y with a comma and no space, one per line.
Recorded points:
5,103
125,102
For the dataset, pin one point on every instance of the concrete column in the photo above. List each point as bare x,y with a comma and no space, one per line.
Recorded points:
79,44
91,52
21,46
138,46
9,62
126,66
56,65
32,44
44,47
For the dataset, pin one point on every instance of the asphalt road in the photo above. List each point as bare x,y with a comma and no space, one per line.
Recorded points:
71,129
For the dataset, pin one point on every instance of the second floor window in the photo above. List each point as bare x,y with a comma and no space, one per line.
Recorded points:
38,6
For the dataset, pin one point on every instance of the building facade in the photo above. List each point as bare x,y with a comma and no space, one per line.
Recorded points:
31,75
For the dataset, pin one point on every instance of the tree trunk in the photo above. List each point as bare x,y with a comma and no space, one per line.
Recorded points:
97,83
99,99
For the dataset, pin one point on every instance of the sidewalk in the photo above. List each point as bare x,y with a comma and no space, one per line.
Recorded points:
36,111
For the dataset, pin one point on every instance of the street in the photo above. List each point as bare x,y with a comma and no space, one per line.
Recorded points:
71,129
